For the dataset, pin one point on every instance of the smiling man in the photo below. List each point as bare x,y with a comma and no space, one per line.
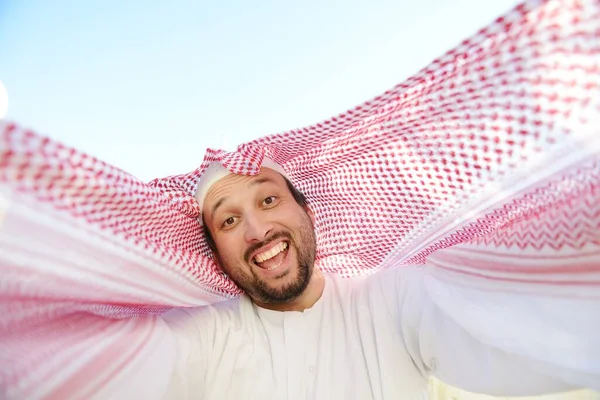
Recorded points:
263,240
298,333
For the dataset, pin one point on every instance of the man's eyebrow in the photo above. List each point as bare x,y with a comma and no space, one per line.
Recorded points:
258,181
217,205
254,182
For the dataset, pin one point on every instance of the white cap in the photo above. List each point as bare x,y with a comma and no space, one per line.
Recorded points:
216,172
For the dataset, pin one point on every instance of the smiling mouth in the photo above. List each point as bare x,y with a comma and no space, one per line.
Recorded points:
272,258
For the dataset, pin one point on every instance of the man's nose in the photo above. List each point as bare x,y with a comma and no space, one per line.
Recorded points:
257,227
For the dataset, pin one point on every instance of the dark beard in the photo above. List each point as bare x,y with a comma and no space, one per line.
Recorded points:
268,295
305,245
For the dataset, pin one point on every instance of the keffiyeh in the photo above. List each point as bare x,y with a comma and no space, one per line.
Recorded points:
484,166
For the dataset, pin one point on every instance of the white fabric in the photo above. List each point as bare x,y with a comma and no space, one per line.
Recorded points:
216,171
372,338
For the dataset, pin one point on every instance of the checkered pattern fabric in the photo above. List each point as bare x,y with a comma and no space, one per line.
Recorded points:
485,165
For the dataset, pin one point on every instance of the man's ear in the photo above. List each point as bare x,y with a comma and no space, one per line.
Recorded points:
215,256
217,261
310,213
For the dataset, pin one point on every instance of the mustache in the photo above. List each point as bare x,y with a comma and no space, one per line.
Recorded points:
276,236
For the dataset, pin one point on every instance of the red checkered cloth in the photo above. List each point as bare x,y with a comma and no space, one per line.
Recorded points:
484,166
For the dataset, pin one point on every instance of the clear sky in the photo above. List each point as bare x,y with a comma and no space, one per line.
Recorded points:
149,85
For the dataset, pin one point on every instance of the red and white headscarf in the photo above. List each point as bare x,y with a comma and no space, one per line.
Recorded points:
485,166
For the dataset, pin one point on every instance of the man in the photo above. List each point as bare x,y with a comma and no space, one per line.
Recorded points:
298,333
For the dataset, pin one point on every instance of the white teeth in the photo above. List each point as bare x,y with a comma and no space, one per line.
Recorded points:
262,257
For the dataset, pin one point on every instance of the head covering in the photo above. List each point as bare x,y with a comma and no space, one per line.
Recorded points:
216,171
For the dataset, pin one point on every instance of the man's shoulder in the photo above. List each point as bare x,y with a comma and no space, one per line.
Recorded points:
367,281
350,290
381,285
229,308
222,314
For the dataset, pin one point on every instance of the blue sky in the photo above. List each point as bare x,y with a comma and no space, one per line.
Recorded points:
149,85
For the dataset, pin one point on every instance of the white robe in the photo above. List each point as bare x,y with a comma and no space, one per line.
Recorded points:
378,337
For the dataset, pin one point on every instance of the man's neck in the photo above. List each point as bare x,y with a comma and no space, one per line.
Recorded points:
306,300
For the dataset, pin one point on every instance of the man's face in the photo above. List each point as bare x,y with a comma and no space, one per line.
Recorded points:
265,240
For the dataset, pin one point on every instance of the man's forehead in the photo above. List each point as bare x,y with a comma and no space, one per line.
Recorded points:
233,185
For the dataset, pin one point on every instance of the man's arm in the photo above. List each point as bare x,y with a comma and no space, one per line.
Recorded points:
494,342
187,379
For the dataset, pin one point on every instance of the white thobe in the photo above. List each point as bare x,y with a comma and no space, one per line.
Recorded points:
378,337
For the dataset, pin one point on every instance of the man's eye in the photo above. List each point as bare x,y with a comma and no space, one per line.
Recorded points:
269,200
229,221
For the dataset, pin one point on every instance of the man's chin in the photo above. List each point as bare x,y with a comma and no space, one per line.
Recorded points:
282,289
280,283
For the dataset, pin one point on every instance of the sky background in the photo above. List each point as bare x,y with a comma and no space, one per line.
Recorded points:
149,85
